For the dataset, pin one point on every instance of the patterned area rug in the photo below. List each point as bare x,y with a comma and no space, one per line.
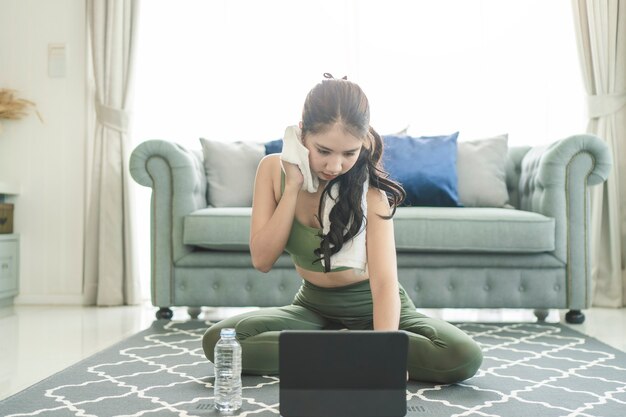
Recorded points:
529,370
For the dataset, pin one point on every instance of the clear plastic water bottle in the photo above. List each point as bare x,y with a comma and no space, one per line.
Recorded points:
227,372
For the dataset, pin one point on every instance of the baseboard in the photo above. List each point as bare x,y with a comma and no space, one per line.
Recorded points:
50,299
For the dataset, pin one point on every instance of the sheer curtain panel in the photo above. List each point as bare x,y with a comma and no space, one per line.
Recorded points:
110,272
601,34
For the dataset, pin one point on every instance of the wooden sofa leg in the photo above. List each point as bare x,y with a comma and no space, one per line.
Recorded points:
575,317
541,314
164,313
194,312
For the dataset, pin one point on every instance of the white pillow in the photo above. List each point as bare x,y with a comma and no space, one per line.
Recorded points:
481,172
230,169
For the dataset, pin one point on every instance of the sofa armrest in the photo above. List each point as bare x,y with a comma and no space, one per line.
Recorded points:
178,183
554,182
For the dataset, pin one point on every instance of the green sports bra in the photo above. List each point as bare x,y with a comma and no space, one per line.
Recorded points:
302,242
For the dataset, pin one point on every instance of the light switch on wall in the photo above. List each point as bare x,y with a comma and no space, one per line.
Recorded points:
57,57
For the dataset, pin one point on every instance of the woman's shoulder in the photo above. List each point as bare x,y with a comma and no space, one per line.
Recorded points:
269,165
377,201
270,161
268,173
376,194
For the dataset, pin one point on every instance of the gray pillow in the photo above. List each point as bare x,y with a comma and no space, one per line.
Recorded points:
230,170
481,172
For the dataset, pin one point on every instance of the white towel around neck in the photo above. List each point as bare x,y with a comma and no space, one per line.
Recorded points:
353,253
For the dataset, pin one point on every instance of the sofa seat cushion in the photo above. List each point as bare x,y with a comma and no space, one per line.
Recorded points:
470,229
218,228
417,229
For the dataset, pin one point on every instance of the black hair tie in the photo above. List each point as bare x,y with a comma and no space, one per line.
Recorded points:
330,76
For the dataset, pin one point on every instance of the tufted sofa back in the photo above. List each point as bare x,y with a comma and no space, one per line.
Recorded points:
513,170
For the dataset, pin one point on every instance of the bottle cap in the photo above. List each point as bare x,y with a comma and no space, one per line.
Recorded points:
227,332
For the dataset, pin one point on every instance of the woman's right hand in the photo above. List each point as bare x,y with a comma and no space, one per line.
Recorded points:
293,175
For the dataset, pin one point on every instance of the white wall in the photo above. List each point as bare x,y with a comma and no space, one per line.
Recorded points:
47,159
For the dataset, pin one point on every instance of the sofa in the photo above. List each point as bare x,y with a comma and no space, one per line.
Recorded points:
532,253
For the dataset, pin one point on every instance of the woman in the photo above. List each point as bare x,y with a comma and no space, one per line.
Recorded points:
343,149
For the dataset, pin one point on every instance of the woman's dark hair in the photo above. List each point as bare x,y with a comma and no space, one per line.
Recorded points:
339,101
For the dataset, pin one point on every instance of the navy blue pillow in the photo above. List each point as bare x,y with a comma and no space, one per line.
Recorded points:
426,168
274,146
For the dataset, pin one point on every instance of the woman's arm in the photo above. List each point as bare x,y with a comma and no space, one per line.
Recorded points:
271,220
382,263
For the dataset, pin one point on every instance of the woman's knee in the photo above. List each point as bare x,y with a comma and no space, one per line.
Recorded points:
447,356
252,326
245,325
210,339
467,358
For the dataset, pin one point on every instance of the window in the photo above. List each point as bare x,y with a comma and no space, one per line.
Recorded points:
240,69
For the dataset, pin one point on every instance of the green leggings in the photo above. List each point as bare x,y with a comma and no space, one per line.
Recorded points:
438,351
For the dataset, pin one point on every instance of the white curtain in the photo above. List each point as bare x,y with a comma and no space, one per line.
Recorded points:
110,272
601,34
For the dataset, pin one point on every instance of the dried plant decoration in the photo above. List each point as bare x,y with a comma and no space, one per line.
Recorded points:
14,108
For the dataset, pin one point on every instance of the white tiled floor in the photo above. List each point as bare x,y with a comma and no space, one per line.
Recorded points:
37,342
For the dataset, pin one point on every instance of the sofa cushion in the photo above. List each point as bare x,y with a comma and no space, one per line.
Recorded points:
230,169
480,169
419,229
481,172
218,228
472,229
426,168
273,146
